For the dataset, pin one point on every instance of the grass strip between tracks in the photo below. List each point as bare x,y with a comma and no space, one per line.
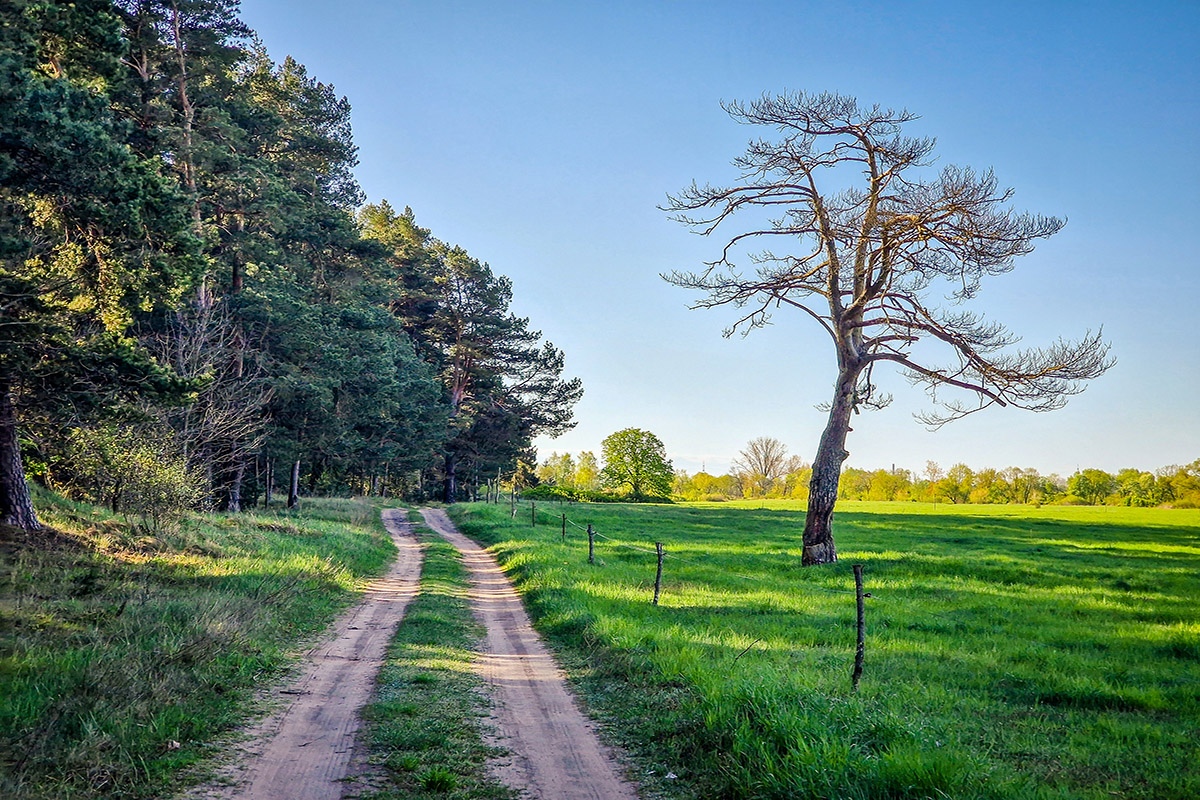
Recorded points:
426,724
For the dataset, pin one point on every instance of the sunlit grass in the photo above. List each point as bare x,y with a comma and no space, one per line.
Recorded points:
1011,651
123,655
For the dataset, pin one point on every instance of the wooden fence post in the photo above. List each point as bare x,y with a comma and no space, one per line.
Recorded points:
658,575
533,513
564,527
862,628
591,545
512,499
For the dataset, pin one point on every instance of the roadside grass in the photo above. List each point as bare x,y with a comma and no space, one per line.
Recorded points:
425,725
1012,652
122,654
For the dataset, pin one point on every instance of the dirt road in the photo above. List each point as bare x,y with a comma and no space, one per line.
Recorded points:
303,751
555,752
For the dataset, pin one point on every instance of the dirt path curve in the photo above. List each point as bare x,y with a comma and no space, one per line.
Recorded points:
555,752
303,751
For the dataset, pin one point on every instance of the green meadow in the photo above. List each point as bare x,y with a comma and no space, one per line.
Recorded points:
1012,651
125,656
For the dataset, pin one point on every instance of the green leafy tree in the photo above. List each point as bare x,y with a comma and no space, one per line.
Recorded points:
502,385
558,470
1140,488
1092,485
587,472
864,262
636,459
132,470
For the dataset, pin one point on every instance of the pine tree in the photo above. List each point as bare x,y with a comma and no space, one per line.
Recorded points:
90,233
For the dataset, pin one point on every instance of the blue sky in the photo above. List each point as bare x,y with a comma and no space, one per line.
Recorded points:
542,136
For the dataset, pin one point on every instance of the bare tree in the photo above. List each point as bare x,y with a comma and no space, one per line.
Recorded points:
764,460
861,262
218,432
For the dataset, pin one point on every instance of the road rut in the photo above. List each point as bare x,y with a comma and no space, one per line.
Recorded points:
303,751
555,753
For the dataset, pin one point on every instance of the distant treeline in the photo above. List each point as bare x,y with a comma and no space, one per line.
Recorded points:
198,306
1176,486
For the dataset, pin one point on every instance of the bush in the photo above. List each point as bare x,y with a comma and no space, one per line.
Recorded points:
133,472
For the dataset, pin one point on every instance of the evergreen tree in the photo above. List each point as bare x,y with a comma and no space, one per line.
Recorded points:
90,233
502,385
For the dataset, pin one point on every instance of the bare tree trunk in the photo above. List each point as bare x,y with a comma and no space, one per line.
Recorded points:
16,504
826,470
233,493
267,485
451,484
294,490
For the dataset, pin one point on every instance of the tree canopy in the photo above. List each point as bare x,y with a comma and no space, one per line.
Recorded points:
636,459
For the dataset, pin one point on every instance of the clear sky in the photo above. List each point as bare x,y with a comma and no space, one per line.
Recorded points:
542,136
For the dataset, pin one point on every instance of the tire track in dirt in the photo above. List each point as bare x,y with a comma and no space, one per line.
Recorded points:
555,753
303,751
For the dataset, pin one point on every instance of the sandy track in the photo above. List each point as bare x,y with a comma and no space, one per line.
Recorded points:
303,751
556,754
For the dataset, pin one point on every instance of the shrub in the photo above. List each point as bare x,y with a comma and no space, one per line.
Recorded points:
133,472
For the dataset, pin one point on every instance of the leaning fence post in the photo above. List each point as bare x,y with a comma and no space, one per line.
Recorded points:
658,575
591,545
862,628
564,527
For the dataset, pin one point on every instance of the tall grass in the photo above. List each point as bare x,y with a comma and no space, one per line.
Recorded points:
1011,651
121,654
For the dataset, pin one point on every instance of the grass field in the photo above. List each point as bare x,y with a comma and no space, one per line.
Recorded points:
1012,652
122,656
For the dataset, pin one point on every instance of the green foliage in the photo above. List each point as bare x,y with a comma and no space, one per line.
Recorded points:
1012,651
132,471
636,459
502,384
114,645
167,190
550,492
1177,486
1093,485
558,470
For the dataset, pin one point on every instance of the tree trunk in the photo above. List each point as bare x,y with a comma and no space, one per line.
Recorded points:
267,483
16,504
451,483
294,489
826,469
233,493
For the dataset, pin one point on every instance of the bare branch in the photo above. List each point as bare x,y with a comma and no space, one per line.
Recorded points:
873,252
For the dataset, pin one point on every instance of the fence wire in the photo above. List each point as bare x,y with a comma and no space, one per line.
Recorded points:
884,604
